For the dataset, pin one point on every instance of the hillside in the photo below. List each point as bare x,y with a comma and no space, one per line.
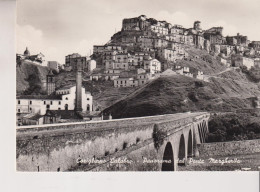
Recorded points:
181,94
104,93
30,78
202,61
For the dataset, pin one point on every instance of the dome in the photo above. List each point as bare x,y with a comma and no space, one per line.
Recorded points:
26,52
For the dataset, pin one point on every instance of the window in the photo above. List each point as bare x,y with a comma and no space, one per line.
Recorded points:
44,102
19,110
30,109
19,102
59,102
87,98
30,102
66,98
59,108
51,102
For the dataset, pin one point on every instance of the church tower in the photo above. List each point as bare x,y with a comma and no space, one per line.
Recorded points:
78,104
196,26
26,52
50,83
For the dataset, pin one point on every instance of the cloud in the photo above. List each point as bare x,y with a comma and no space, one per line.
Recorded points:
228,29
28,36
177,17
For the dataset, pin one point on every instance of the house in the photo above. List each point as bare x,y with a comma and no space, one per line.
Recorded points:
64,99
90,65
167,54
178,69
125,82
51,117
237,40
152,66
142,78
72,60
111,76
98,49
198,75
214,35
54,65
255,44
95,76
177,29
239,60
32,119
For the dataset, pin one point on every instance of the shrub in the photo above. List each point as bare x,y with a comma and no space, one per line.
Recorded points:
158,137
107,153
125,145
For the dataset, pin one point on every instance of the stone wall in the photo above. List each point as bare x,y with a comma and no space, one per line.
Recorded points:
56,147
229,148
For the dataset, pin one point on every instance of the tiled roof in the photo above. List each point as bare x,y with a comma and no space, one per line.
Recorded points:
64,114
66,87
33,116
40,97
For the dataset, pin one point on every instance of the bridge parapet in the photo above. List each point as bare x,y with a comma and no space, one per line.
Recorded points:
48,147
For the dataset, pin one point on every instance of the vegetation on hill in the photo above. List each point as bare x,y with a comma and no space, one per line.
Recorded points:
233,127
201,60
30,78
253,74
178,93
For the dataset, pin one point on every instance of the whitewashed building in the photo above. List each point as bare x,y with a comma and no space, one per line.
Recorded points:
63,100
125,82
152,66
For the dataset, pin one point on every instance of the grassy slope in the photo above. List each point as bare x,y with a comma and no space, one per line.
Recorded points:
179,94
209,65
27,69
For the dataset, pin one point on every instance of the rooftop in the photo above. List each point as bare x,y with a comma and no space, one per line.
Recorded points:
40,97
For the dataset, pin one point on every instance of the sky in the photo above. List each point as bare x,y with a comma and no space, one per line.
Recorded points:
57,28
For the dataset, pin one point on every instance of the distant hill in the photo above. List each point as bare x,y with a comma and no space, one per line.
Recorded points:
178,93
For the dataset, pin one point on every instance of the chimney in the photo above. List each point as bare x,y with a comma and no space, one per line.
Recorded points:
78,105
50,80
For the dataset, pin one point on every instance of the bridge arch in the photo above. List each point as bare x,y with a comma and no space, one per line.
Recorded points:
190,144
182,151
168,158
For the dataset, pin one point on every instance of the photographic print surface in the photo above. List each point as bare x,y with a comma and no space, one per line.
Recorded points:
113,85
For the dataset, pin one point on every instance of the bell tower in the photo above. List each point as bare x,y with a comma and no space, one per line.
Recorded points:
196,26
78,104
50,83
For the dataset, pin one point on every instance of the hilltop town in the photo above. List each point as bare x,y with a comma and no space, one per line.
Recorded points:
144,50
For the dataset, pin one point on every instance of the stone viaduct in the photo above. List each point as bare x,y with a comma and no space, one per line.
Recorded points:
154,143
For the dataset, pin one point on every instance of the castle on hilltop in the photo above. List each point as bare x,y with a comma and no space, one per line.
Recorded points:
166,42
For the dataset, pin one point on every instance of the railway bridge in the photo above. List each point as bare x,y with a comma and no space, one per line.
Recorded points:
153,143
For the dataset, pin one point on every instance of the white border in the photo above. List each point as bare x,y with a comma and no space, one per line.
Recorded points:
156,181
